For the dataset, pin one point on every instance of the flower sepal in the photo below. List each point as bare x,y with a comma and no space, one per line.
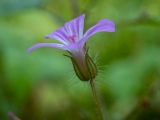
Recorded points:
85,69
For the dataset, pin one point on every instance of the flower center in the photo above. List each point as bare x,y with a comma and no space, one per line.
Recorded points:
72,38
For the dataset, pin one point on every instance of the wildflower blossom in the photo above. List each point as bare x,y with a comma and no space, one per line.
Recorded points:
73,39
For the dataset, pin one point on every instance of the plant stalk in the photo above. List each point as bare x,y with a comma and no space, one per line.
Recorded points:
96,100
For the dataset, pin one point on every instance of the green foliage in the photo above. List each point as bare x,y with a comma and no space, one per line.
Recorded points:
42,85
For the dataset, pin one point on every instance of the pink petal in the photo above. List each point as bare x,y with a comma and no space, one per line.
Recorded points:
52,45
75,27
60,35
12,116
104,25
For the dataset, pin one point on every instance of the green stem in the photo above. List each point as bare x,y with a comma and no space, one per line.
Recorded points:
99,111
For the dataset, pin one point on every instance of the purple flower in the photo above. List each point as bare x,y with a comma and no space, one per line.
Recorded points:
73,39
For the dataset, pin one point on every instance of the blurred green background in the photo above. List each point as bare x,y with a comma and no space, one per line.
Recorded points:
43,86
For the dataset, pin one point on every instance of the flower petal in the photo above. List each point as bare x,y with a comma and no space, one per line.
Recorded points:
52,45
104,25
75,27
60,35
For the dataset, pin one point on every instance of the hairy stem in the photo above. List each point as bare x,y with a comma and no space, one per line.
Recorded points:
98,107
